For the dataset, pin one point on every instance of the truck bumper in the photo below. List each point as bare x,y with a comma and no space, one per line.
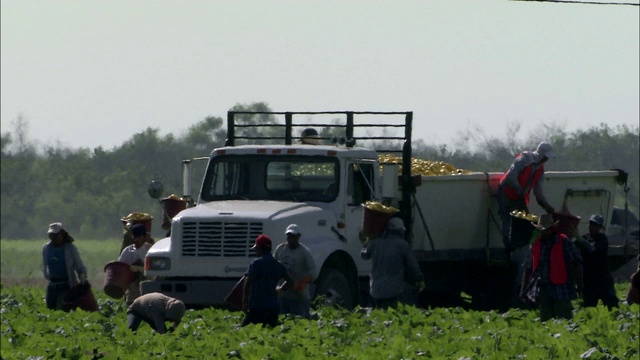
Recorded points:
193,293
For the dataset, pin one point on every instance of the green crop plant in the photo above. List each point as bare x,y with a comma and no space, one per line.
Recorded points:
30,330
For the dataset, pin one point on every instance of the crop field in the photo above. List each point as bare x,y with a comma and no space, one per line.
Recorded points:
30,331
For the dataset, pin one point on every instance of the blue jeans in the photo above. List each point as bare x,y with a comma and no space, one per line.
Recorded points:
268,317
55,291
386,303
295,307
505,207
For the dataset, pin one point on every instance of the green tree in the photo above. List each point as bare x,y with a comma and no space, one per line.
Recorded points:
91,189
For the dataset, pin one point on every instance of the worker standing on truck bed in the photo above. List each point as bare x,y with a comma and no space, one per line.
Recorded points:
302,269
309,136
526,173
392,263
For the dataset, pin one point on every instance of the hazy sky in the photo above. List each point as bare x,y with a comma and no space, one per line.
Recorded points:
93,73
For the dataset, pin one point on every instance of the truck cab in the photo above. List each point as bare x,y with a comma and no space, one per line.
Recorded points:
256,189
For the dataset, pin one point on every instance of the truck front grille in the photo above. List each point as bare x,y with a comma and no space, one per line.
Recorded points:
219,239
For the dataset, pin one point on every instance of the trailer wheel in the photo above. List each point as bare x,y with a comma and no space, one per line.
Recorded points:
333,289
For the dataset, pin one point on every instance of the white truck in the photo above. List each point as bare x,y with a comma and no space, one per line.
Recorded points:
451,220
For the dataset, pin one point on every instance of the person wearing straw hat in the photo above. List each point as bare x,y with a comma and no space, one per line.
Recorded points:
260,293
598,281
130,220
392,261
297,258
558,264
60,263
155,309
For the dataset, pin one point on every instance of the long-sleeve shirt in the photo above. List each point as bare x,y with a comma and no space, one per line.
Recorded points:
72,260
391,259
567,290
151,308
595,262
264,273
517,167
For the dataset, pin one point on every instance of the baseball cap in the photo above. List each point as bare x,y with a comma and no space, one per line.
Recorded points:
597,219
395,223
292,229
262,241
138,230
545,149
175,310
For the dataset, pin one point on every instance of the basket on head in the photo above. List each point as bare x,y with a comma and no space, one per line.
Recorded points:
375,218
171,205
135,218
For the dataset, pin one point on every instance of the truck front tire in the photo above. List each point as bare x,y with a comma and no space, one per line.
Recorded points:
333,289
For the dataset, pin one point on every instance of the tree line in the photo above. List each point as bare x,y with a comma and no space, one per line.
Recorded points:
89,190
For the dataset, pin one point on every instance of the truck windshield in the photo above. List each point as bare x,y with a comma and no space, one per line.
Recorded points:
269,177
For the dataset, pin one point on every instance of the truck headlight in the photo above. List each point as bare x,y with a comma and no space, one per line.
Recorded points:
157,263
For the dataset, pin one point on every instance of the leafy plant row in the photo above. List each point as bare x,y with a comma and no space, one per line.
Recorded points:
30,331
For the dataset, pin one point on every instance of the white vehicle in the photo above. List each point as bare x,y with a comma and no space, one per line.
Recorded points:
248,190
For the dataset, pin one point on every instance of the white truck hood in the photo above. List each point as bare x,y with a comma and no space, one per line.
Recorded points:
254,209
226,230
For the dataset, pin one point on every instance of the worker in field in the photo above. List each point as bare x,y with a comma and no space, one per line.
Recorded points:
155,309
260,293
61,263
133,255
301,267
556,261
598,281
130,220
525,174
392,263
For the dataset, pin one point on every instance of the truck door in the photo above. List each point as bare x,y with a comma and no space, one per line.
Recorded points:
360,189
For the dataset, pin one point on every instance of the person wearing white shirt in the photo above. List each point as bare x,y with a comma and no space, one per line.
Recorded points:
133,255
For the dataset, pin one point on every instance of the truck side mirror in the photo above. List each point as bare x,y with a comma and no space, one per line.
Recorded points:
155,189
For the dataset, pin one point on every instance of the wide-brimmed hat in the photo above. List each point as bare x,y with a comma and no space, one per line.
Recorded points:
545,221
262,241
54,228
